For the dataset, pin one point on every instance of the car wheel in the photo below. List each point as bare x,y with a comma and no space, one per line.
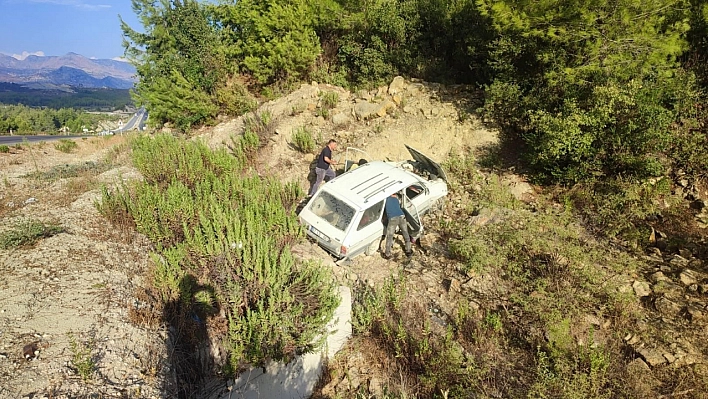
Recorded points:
373,247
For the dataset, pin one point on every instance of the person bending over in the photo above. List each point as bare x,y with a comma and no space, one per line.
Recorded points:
396,218
323,168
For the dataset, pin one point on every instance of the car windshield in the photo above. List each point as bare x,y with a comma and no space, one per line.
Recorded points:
333,210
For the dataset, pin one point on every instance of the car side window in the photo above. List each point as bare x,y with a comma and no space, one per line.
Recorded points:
371,215
414,191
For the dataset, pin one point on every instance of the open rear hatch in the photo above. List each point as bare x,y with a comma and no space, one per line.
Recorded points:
426,163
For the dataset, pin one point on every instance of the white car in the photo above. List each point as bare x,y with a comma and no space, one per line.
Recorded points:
346,216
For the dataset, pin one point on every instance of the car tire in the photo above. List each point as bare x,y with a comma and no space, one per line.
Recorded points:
373,248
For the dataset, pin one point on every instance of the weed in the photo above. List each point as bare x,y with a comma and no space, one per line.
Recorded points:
303,140
330,99
298,108
4,148
81,358
323,112
66,145
27,234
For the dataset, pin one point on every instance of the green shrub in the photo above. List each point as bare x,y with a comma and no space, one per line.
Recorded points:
330,99
82,358
223,236
4,148
303,140
66,145
27,234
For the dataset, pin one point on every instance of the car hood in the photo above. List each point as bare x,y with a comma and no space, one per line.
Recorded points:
430,165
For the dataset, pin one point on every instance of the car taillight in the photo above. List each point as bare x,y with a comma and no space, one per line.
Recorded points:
343,250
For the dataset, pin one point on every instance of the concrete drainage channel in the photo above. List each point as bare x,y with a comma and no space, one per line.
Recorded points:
295,380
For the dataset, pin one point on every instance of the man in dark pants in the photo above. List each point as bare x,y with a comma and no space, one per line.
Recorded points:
396,218
322,169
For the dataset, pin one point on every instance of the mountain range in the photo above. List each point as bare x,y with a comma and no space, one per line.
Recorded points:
72,70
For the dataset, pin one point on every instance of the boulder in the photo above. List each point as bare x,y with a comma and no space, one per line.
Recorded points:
398,85
641,288
652,357
340,119
688,277
366,110
667,307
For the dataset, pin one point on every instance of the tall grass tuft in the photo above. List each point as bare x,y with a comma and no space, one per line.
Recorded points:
303,140
66,145
223,236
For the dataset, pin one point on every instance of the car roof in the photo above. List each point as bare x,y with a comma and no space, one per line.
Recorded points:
370,183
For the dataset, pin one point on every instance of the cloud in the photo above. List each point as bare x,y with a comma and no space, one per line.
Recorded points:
73,3
26,54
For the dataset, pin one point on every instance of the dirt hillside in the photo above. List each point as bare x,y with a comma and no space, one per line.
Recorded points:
67,302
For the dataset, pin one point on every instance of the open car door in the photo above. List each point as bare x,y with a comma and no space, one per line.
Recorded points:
353,156
415,223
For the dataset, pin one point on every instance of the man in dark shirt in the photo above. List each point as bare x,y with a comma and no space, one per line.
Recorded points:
396,218
322,169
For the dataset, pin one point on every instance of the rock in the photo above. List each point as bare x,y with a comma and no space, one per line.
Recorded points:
694,313
376,387
652,357
365,110
397,99
641,288
340,118
658,277
398,85
632,339
703,289
688,277
408,109
385,107
669,357
678,261
667,307
638,366
452,284
309,157
686,253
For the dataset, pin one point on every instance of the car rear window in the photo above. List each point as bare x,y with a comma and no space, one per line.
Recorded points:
335,211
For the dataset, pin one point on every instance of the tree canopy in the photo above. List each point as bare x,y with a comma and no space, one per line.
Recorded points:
590,88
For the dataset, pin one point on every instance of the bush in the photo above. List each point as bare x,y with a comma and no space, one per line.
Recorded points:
4,148
223,236
27,234
66,145
303,140
329,99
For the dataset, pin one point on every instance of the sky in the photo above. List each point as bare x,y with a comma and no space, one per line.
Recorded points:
57,27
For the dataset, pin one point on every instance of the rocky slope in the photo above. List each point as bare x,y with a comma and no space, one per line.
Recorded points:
73,296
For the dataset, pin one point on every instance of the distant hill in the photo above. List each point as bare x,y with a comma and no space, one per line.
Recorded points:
61,96
71,69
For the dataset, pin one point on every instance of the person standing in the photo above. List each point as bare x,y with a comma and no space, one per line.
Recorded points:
396,218
323,168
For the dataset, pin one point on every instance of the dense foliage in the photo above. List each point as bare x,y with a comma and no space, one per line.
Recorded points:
23,120
223,237
600,89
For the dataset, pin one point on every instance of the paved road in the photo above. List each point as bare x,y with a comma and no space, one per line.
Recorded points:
136,122
10,140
